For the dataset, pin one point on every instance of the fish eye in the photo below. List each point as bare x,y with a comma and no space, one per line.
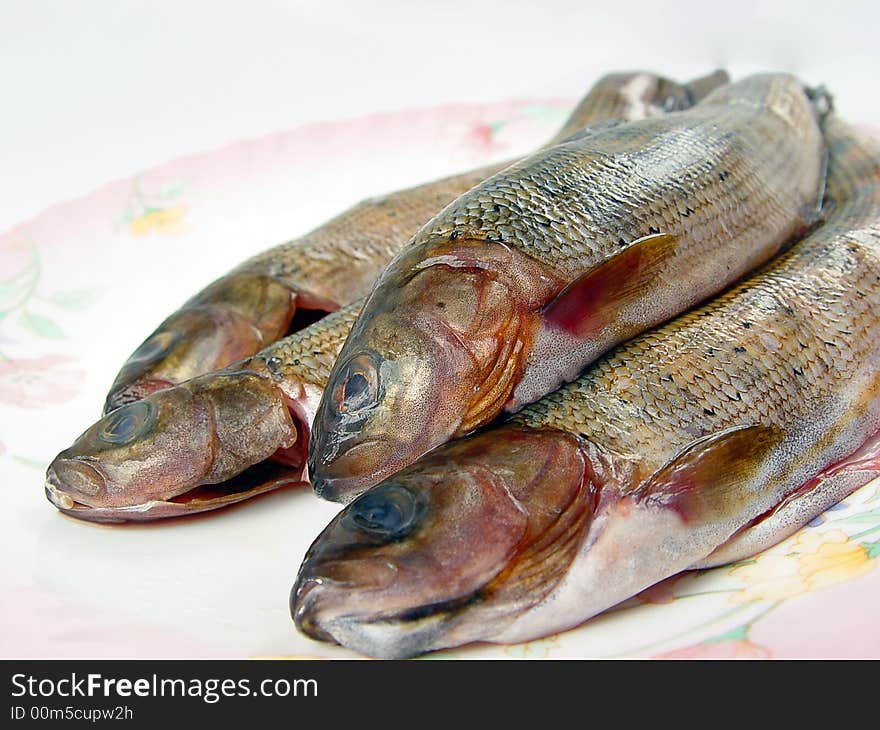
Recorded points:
388,511
359,387
355,388
125,424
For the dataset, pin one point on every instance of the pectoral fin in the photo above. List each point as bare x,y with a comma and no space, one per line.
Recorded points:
594,299
715,476
803,504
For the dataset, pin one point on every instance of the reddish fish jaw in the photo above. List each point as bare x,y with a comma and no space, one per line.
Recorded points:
630,546
268,476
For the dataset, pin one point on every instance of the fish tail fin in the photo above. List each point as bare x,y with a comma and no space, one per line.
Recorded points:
821,100
700,87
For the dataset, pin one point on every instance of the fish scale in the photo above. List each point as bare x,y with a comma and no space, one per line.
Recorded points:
793,308
595,240
262,299
342,257
570,230
308,356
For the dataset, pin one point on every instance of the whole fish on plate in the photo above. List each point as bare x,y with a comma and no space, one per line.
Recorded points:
534,273
291,285
699,443
226,436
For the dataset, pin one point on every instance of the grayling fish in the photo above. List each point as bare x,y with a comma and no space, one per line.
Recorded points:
531,275
696,444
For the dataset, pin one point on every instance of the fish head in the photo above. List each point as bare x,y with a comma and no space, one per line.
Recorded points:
644,93
519,532
228,321
434,354
447,550
181,450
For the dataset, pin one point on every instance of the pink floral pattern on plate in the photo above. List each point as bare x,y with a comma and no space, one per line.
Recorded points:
38,382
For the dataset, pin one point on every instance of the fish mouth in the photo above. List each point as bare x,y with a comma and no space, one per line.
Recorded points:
258,479
399,634
338,481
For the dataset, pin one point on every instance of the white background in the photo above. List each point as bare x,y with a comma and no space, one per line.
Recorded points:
95,90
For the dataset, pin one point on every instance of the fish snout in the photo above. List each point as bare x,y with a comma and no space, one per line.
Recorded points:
304,608
329,591
72,479
363,464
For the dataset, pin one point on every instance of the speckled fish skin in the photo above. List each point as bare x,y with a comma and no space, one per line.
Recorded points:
204,443
531,275
699,443
286,287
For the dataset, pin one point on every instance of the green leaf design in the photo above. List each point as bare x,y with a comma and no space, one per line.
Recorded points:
873,549
546,113
740,633
32,463
41,325
870,516
15,290
74,299
171,191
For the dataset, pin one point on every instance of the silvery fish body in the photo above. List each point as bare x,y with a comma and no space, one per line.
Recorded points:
696,444
531,275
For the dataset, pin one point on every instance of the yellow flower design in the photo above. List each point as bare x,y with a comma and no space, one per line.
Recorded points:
537,649
834,560
160,220
808,561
